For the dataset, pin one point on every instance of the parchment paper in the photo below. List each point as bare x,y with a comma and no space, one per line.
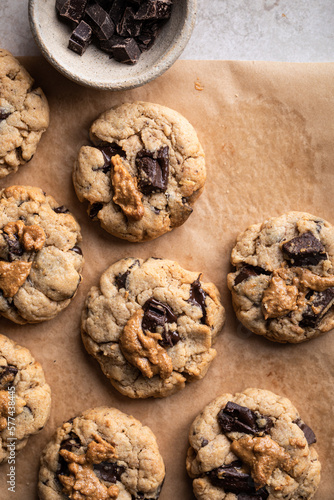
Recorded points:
268,133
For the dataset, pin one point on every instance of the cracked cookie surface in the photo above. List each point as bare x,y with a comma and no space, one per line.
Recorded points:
102,454
40,260
142,173
283,285
24,114
151,326
252,445
25,397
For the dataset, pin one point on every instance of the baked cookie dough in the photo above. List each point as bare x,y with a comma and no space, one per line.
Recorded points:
252,446
142,173
24,114
102,454
40,260
25,398
283,285
151,326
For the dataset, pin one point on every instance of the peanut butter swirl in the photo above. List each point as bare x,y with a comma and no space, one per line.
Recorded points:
32,238
82,483
143,350
126,193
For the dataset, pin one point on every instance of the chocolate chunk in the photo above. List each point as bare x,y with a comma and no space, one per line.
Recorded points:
158,314
71,9
197,297
128,26
126,51
120,279
109,471
232,479
94,210
204,442
117,10
61,210
304,250
236,418
247,271
108,151
76,249
100,22
154,9
148,35
108,45
319,305
72,443
7,375
153,170
4,114
308,433
14,246
81,37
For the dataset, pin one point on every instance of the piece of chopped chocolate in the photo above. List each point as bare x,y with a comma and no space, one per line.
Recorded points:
126,51
109,471
71,9
108,151
100,21
308,433
81,37
120,279
128,26
204,442
247,271
232,479
72,443
117,10
61,210
304,250
14,246
319,305
261,494
153,170
94,210
4,114
197,297
236,418
7,375
76,249
108,45
158,314
154,9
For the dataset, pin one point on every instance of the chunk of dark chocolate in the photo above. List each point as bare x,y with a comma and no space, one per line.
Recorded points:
14,246
108,45
126,51
158,314
81,37
94,210
72,443
232,479
100,21
109,471
154,9
71,9
319,304
128,26
236,418
148,34
76,249
120,279
304,250
153,170
4,114
308,433
197,297
117,10
7,375
247,271
108,151
61,210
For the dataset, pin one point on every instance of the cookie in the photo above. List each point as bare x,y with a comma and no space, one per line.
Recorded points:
40,260
151,326
24,114
25,398
142,173
102,454
252,446
283,285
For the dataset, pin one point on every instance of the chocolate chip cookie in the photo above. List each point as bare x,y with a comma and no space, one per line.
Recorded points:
25,398
252,445
24,114
151,326
283,285
40,260
102,454
142,173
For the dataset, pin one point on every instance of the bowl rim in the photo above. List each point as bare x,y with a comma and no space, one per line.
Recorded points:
163,64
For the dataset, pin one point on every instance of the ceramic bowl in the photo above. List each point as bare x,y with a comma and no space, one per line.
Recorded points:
94,68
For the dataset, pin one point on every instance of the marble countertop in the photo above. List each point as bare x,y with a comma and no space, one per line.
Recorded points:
270,30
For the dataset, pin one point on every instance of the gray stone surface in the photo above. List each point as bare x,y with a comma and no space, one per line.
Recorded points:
275,30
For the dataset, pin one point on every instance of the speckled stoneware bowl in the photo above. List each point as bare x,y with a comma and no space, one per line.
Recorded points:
94,68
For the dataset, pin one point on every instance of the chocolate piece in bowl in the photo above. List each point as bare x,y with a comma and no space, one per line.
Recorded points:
148,336
283,284
143,171
80,38
264,450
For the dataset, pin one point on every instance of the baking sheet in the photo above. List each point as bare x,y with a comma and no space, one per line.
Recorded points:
268,133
